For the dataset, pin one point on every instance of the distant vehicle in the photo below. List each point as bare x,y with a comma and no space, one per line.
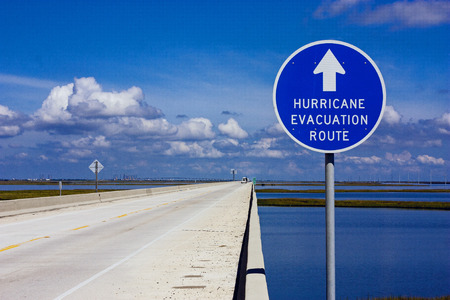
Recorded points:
244,180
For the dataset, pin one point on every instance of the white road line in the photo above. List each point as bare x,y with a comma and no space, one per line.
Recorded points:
87,281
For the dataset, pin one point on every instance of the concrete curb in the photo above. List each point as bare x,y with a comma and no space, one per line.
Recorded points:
31,205
256,285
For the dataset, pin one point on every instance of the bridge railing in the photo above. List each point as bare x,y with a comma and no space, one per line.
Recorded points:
251,278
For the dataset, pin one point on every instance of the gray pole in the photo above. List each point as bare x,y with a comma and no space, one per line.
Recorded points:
329,218
96,176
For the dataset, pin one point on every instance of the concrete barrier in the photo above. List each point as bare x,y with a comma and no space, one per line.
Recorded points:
251,276
256,285
29,205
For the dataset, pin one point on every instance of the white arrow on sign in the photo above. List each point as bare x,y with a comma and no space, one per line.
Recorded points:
329,66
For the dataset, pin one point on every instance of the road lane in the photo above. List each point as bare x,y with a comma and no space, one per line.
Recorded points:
69,254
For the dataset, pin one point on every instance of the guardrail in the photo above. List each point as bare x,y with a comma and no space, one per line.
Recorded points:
28,205
251,278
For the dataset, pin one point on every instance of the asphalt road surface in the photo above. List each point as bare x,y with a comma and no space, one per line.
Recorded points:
182,245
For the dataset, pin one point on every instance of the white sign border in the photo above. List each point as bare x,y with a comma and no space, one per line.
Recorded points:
338,43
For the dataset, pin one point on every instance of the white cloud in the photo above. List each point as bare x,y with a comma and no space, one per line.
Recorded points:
275,129
195,129
9,130
262,147
54,108
21,155
444,131
363,160
444,124
292,168
445,119
5,112
419,13
75,154
391,116
99,141
334,8
403,158
10,122
83,104
232,129
387,140
89,99
139,126
429,160
193,149
26,81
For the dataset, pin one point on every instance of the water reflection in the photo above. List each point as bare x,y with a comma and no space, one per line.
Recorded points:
379,252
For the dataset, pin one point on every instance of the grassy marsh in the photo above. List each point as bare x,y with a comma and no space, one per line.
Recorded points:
298,202
21,194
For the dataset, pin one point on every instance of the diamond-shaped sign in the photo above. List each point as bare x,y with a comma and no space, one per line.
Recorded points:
96,166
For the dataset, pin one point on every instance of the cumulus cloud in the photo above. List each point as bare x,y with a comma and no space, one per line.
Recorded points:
9,130
403,158
83,104
262,148
74,155
228,146
86,142
275,130
391,116
195,129
54,108
444,120
10,122
232,129
193,149
429,160
88,99
142,127
443,124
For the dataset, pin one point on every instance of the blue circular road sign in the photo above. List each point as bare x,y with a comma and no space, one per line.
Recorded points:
329,96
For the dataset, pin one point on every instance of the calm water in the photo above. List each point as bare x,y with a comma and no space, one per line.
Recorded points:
392,196
379,252
355,187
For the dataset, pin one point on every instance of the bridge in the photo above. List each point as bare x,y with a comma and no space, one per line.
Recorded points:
184,242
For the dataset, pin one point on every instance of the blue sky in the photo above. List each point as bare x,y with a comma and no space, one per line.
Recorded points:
184,88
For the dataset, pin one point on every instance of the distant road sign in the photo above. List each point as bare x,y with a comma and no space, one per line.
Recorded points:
329,96
96,166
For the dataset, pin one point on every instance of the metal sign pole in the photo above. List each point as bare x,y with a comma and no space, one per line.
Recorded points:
96,176
329,208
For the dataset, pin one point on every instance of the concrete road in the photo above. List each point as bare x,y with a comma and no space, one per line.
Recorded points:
183,245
